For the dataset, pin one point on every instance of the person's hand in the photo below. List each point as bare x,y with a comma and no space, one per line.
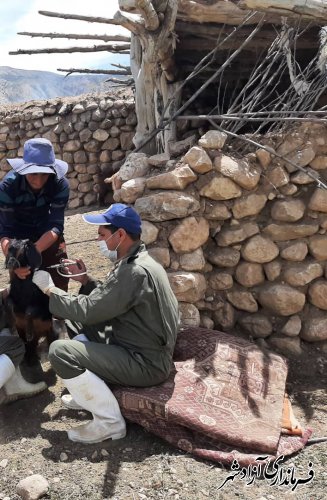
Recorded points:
73,270
43,280
22,272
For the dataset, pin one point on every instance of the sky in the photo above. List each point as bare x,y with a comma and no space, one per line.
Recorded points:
22,15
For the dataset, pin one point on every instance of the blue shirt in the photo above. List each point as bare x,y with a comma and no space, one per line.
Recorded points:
28,214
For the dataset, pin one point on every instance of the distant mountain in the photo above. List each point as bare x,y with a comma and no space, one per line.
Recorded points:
20,85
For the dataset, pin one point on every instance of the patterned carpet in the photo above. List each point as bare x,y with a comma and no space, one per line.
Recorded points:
223,401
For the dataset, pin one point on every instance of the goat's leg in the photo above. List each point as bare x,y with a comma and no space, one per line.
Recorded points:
31,367
24,329
31,355
8,308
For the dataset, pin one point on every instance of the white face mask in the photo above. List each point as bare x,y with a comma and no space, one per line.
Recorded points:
112,255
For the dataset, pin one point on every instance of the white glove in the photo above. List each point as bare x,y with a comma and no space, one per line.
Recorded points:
43,280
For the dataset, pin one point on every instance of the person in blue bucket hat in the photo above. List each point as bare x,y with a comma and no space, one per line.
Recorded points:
33,198
123,330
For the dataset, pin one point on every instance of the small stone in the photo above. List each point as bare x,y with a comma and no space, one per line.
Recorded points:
292,327
198,160
4,463
94,455
63,457
189,315
32,487
264,157
213,139
104,453
158,160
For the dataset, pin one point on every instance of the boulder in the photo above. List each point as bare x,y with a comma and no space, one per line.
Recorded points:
281,299
166,206
259,249
189,235
237,170
249,205
257,325
188,287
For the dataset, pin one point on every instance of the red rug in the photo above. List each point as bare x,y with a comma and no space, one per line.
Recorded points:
223,401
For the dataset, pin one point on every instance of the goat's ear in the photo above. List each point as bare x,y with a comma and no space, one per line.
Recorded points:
33,257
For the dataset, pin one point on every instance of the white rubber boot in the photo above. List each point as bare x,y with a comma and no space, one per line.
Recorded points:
70,403
7,369
67,400
93,395
16,387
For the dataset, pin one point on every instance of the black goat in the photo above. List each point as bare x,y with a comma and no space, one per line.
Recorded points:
29,306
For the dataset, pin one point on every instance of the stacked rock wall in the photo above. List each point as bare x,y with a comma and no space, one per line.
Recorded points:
243,239
92,133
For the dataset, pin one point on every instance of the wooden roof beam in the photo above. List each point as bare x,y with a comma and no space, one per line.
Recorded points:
309,9
233,12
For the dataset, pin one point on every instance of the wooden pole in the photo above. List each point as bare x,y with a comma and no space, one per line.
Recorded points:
74,36
97,48
96,71
76,17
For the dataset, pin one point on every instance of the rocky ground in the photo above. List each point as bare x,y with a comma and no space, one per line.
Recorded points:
141,466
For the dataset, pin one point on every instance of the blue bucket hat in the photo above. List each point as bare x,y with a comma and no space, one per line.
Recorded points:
119,215
38,158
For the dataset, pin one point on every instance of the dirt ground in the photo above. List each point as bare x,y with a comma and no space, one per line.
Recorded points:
141,466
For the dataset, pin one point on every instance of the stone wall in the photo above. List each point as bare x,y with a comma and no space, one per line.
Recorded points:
243,239
92,133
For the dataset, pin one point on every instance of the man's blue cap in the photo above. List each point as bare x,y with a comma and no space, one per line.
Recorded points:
119,215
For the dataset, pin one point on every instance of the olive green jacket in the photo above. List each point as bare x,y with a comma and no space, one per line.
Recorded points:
134,307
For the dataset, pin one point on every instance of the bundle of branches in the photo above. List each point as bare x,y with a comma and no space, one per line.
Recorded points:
267,104
279,88
263,104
